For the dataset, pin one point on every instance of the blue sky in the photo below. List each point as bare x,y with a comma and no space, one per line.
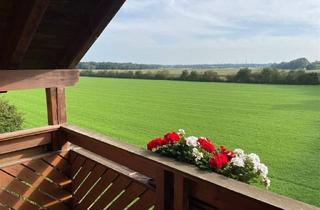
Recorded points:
210,31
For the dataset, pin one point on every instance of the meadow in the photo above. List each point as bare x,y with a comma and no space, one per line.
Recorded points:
281,123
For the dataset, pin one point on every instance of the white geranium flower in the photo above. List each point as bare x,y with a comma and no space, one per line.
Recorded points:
192,141
239,152
255,160
237,161
263,169
198,155
181,132
266,181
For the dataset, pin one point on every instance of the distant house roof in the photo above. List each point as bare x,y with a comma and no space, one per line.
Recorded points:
46,34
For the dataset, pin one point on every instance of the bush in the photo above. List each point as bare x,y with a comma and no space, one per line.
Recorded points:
10,118
243,75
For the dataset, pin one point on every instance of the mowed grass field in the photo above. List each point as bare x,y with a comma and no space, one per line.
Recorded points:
281,123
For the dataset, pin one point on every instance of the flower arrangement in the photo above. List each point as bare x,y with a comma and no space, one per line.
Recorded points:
202,152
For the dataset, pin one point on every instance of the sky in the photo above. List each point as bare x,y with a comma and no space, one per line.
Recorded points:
210,32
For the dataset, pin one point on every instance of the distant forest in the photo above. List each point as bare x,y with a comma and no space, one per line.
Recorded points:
297,64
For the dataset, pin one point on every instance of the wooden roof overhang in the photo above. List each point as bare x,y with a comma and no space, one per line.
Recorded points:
51,34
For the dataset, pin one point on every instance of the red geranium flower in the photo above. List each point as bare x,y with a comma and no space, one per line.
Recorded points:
154,143
206,145
219,161
230,154
171,137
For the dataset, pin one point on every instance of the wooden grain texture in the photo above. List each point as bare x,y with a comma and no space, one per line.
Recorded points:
29,182
133,191
14,185
96,173
29,79
105,184
181,193
44,169
146,201
104,12
21,28
19,156
15,202
97,190
24,143
115,189
27,175
26,133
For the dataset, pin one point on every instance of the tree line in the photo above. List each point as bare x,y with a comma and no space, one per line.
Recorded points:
136,66
245,75
300,63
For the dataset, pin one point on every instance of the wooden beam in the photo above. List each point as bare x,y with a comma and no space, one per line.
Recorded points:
29,79
26,18
56,106
103,14
20,140
56,109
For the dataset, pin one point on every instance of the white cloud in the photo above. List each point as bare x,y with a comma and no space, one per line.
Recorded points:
211,31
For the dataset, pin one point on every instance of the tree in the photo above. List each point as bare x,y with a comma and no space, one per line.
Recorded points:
184,75
243,75
194,75
10,118
210,76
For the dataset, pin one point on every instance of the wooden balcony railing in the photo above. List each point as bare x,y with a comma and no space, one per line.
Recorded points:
96,172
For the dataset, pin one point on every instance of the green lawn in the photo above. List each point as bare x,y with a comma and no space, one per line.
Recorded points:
281,123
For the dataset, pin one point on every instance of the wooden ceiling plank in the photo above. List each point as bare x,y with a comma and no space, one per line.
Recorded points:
94,26
21,29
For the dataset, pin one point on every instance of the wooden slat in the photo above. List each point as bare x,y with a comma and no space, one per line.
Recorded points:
24,143
14,157
96,191
16,186
76,165
46,170
29,79
89,182
58,163
26,159
14,202
131,193
145,201
138,177
94,25
28,132
84,172
20,31
37,181
116,188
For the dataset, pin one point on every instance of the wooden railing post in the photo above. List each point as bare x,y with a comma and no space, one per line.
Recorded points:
56,109
180,201
164,190
56,106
